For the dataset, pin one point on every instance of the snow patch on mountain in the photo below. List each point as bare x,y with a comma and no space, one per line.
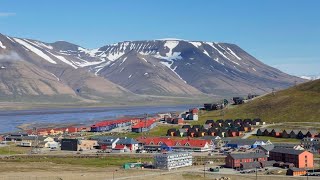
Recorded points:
123,60
115,55
63,59
2,46
42,45
171,45
196,44
233,53
35,50
212,45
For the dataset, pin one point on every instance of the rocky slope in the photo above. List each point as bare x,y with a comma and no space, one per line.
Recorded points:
167,67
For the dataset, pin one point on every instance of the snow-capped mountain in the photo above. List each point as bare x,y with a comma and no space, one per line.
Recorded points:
310,77
213,68
156,67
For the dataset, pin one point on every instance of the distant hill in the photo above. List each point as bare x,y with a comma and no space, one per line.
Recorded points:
297,104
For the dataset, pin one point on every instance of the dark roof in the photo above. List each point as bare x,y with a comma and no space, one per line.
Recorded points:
186,126
127,141
286,151
268,147
268,163
294,169
250,165
303,132
257,120
209,121
248,155
277,130
283,145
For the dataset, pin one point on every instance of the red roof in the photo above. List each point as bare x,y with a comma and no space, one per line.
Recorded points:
174,142
120,147
144,123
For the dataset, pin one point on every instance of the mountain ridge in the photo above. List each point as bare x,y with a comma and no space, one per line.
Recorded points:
151,67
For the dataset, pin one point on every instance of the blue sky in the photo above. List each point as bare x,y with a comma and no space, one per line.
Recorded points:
284,34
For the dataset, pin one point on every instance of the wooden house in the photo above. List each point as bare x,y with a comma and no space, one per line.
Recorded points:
294,134
209,122
285,133
172,132
296,171
260,132
311,133
276,133
302,134
238,121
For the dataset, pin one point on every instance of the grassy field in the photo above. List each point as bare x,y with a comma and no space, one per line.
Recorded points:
276,140
93,162
13,149
296,104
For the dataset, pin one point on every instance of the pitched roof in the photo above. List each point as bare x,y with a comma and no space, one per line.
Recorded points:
168,141
243,141
105,139
287,151
268,147
294,169
284,145
182,130
118,146
248,155
127,141
143,124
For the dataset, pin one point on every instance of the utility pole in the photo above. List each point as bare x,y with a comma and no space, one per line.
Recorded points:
204,169
256,173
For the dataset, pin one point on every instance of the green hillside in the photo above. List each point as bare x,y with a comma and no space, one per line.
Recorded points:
296,104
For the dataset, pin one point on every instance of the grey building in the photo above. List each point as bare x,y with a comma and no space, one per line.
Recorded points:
172,160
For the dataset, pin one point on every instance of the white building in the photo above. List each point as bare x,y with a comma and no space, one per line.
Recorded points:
172,160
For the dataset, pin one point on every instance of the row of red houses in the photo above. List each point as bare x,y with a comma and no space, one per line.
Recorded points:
286,133
168,144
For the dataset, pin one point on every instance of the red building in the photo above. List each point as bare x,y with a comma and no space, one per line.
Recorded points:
235,160
300,158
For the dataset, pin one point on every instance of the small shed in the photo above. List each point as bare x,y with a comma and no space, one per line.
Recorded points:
296,172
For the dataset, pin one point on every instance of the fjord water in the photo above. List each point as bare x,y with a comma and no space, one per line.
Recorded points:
9,120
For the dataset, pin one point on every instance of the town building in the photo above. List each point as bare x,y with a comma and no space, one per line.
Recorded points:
120,149
172,160
158,144
129,143
300,158
143,126
246,143
296,172
235,160
106,142
311,144
78,145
